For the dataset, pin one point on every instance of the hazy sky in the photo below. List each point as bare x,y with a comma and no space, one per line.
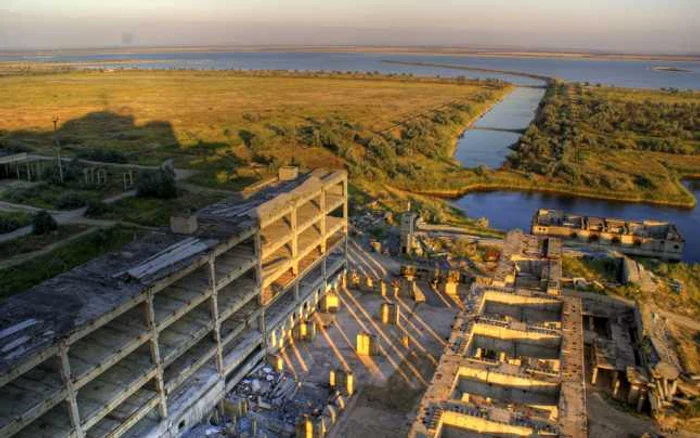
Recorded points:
670,26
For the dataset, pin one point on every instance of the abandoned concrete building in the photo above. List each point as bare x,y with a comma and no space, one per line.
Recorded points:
514,365
643,238
631,354
145,341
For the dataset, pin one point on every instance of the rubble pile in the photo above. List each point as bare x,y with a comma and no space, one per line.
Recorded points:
271,403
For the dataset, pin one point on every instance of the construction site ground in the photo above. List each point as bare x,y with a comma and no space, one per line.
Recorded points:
388,385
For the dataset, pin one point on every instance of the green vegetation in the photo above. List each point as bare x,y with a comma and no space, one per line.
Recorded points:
154,212
38,269
160,184
236,128
35,242
616,143
679,288
43,223
598,268
75,191
10,221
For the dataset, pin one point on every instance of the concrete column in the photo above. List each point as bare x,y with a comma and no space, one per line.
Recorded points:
295,241
258,265
345,215
155,353
594,378
322,207
615,384
665,386
591,323
633,393
214,311
672,391
640,402
66,376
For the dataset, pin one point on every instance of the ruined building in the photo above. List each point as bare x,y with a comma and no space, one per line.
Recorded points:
645,238
145,341
514,365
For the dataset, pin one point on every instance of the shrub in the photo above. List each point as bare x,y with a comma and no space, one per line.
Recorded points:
8,224
70,200
102,155
159,184
43,223
97,208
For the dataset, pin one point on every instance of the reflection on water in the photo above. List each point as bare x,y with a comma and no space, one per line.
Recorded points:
479,147
508,210
488,148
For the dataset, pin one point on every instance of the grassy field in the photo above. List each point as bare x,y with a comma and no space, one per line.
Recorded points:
154,212
33,242
10,221
237,128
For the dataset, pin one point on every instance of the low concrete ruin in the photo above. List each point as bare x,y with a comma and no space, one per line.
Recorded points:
146,341
644,238
514,364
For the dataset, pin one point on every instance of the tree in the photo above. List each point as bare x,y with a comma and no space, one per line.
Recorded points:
43,223
158,184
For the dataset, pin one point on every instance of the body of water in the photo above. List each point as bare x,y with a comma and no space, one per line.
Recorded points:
507,210
482,146
621,73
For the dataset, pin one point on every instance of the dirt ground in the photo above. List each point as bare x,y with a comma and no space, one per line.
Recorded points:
390,384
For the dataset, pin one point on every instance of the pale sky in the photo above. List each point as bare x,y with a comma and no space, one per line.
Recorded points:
670,26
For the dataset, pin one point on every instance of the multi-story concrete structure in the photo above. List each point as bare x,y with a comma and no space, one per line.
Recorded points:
514,363
145,341
643,238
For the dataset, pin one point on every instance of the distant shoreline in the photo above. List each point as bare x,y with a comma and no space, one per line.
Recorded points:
408,50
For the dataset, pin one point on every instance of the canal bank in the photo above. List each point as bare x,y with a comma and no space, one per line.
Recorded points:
513,206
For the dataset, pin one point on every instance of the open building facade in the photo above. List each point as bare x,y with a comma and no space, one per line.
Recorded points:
146,341
643,238
514,365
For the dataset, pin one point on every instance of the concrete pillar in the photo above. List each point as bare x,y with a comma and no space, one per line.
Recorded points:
369,283
342,380
615,384
672,391
155,353
295,241
72,393
664,382
389,313
502,356
594,378
366,344
322,207
304,427
633,393
591,323
214,312
382,288
640,401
